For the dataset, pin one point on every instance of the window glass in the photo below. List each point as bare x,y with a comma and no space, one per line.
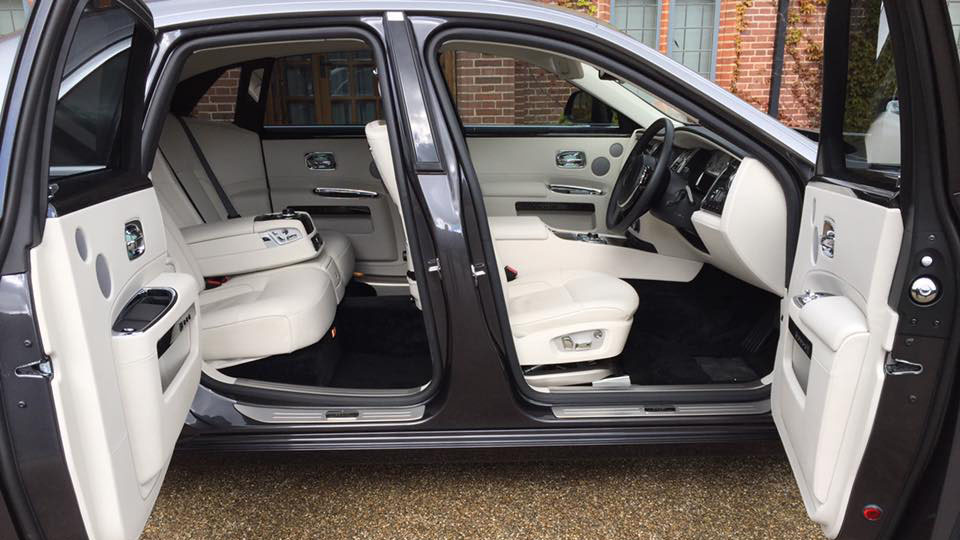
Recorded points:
640,19
492,89
334,88
953,6
693,25
871,122
87,115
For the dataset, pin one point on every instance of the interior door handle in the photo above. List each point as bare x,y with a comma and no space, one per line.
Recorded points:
345,193
574,190
571,159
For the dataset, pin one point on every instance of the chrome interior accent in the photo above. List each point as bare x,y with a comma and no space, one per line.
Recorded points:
692,409
571,159
320,161
345,193
567,189
346,415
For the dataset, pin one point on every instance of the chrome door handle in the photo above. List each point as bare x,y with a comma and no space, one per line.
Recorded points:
320,161
571,159
574,190
345,193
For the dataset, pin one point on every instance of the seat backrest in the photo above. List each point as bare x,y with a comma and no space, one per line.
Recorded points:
181,259
379,140
234,154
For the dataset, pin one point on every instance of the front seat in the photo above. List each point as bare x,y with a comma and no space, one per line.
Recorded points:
256,315
567,316
379,140
556,317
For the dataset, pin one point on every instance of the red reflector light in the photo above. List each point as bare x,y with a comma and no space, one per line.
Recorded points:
872,512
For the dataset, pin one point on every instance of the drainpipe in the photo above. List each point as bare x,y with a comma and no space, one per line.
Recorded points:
776,75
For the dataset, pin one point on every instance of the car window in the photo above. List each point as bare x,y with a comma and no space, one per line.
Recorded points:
501,90
333,88
87,114
871,122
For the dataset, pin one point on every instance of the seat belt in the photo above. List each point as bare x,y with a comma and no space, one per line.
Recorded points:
227,205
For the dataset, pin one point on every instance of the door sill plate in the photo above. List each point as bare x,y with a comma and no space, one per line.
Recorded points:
693,409
345,415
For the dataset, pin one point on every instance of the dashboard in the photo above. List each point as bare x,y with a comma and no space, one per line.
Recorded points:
700,179
728,207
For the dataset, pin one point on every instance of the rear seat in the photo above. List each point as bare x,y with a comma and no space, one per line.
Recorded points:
258,314
235,156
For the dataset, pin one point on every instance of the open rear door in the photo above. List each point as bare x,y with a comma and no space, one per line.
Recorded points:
85,256
858,388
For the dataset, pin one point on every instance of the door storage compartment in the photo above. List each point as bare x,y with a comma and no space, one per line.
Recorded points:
156,344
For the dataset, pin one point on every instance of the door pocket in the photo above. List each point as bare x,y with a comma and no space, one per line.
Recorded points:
576,216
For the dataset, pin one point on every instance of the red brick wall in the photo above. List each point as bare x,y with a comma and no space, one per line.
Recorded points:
751,26
219,103
485,88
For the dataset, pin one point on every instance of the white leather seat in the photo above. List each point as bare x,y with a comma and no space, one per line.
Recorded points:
379,140
259,314
587,307
553,315
235,155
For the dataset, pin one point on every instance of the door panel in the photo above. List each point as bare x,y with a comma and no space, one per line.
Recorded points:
371,222
830,369
122,387
516,173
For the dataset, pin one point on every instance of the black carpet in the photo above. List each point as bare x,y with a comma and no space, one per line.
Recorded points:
379,342
714,329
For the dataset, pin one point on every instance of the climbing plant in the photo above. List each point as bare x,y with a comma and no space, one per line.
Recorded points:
804,50
587,6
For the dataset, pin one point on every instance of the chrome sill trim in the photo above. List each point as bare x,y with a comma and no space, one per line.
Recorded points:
657,389
327,391
344,415
693,409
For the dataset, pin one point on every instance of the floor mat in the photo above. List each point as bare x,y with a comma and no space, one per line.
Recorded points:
713,329
379,342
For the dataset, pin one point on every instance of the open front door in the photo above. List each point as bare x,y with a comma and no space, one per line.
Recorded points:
118,351
866,326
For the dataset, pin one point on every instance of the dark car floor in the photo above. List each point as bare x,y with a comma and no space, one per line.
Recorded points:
714,329
375,342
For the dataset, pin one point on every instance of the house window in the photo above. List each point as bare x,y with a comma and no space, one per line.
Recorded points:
336,88
638,19
693,34
954,9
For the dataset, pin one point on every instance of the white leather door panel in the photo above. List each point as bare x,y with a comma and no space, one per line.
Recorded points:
371,223
836,331
122,385
516,173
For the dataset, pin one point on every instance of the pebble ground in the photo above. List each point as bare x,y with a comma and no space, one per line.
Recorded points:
508,494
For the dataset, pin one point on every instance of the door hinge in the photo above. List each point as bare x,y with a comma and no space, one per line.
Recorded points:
433,267
896,366
477,270
35,370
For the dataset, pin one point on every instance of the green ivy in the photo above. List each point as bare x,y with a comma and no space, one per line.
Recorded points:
587,6
869,78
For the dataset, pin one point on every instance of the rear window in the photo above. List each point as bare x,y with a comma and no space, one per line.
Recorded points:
324,89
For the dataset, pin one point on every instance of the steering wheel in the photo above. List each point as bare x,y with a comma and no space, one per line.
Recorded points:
642,178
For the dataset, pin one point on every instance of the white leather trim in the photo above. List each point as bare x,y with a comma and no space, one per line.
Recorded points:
235,246
548,305
527,245
266,313
833,319
825,427
749,239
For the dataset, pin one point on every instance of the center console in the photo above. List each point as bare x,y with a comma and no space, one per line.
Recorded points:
252,244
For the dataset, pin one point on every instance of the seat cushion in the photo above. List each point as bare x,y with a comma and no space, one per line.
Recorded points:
545,306
266,313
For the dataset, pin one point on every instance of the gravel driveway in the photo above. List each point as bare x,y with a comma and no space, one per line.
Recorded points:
528,494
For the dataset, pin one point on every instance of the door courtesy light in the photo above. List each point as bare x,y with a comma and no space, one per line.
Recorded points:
872,512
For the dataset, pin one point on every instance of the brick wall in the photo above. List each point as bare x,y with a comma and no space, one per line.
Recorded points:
498,90
220,100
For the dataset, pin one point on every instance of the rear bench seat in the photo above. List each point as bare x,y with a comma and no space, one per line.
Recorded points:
235,155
